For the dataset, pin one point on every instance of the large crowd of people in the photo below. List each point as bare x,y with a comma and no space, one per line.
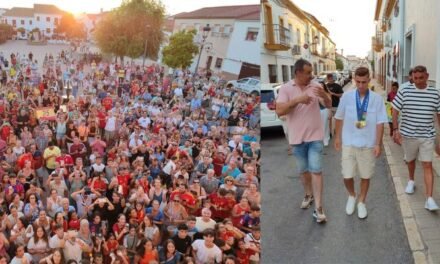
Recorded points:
105,162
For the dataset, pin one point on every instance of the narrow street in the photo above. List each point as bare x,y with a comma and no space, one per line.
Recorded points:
290,235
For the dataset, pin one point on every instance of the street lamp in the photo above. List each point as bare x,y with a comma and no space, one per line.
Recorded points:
205,33
145,50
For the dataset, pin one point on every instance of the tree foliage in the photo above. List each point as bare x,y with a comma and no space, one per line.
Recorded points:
70,27
126,30
6,31
181,50
339,64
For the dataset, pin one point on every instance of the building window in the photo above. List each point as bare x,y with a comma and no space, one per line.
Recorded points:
14,22
48,30
228,29
216,30
22,22
30,22
252,34
298,37
272,73
285,71
38,18
56,21
218,63
47,19
292,72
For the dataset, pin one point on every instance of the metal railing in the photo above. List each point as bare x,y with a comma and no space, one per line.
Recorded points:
276,34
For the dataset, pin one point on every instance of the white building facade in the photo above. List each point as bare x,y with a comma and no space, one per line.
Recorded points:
291,34
406,36
44,17
231,47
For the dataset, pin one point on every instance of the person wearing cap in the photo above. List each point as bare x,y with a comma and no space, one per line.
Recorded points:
204,250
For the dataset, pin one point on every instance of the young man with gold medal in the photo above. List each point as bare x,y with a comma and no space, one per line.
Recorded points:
360,120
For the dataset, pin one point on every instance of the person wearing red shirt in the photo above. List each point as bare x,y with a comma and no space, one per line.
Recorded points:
124,178
99,183
221,205
27,156
102,118
107,102
65,160
244,252
188,200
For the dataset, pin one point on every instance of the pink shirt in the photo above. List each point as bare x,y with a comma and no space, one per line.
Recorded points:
304,121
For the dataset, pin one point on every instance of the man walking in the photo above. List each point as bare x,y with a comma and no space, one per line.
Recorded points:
299,100
417,104
336,92
360,120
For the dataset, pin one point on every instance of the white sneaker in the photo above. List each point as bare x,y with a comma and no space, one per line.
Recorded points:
351,205
410,187
431,205
362,210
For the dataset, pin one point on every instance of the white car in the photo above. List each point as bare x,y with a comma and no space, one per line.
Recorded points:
249,85
269,94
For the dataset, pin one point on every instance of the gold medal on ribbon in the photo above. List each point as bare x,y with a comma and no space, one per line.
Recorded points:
361,124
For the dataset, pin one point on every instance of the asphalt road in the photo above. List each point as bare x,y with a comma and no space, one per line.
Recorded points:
291,236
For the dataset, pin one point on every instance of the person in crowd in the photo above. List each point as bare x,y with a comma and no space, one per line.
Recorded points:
135,146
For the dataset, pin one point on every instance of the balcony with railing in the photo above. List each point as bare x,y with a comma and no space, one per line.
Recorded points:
277,37
377,42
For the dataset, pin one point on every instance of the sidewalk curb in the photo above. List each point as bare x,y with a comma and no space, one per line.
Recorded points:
420,254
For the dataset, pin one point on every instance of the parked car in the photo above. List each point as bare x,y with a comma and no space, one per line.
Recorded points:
250,85
269,94
339,79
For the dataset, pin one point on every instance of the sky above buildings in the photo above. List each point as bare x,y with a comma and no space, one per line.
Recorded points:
350,22
94,6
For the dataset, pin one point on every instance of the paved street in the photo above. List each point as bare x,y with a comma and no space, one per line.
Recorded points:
291,235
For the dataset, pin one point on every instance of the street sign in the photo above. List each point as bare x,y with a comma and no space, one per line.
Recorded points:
306,46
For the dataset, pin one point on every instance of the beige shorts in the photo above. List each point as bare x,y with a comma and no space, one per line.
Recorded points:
360,160
418,148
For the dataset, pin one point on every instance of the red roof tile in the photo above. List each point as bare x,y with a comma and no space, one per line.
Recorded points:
246,12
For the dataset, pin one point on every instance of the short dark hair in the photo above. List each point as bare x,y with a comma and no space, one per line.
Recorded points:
182,227
209,232
299,65
410,71
395,84
329,75
419,68
362,71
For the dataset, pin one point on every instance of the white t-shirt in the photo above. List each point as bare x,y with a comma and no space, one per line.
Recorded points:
55,242
206,255
202,225
72,251
169,167
16,260
144,121
376,114
111,124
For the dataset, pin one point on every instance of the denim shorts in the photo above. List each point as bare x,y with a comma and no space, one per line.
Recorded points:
308,156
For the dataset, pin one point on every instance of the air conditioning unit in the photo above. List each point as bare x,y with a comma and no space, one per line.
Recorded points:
226,34
296,50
